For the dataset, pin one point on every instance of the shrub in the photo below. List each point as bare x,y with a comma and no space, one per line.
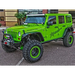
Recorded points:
16,24
0,24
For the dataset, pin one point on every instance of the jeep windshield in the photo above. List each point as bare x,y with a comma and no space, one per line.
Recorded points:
35,19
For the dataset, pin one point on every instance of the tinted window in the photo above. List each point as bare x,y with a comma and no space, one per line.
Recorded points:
61,19
52,19
36,19
68,19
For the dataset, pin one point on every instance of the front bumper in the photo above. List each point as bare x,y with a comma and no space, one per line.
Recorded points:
9,41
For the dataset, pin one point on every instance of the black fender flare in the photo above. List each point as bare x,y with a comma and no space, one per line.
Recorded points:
24,35
67,30
33,33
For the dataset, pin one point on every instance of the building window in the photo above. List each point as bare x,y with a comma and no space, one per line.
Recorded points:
1,8
54,11
34,10
61,19
1,18
40,11
48,10
20,8
72,13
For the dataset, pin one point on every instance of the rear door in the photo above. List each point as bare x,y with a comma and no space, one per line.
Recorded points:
69,20
61,25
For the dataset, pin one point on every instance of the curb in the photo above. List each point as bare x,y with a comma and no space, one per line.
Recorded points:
2,28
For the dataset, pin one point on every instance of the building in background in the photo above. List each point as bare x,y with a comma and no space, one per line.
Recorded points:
7,16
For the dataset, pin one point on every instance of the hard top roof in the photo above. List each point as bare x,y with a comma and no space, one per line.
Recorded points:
57,14
47,14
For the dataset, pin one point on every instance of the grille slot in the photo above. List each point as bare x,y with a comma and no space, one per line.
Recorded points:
13,34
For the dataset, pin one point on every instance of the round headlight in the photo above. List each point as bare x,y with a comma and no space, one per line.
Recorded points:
19,34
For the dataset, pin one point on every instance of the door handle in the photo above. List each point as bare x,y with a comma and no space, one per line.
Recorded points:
47,26
63,25
56,27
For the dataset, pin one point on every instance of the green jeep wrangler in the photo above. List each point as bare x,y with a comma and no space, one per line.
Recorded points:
36,30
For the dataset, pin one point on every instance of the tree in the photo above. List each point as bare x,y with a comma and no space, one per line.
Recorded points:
23,17
20,17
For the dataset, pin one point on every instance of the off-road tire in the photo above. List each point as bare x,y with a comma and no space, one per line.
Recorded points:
7,48
66,39
30,46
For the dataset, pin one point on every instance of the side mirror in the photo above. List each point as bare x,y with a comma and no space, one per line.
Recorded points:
50,23
24,23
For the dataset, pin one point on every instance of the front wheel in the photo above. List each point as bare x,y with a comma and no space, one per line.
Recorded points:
68,39
32,51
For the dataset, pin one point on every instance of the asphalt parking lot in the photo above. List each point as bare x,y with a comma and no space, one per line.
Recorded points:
54,54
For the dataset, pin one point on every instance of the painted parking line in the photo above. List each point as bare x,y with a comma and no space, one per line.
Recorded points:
20,61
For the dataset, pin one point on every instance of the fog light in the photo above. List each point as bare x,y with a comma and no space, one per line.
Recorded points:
5,42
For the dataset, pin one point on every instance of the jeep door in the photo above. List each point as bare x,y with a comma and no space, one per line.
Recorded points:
52,28
61,25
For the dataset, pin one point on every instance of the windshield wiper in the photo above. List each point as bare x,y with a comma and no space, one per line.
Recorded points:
29,23
25,23
36,24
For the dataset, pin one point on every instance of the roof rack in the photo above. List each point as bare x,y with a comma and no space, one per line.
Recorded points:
35,14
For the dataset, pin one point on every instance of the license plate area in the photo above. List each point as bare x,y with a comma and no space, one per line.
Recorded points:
7,39
7,42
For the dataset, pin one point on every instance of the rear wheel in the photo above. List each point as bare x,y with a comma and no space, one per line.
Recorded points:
68,39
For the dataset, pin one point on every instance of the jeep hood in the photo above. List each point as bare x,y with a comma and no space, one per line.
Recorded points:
26,28
17,27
